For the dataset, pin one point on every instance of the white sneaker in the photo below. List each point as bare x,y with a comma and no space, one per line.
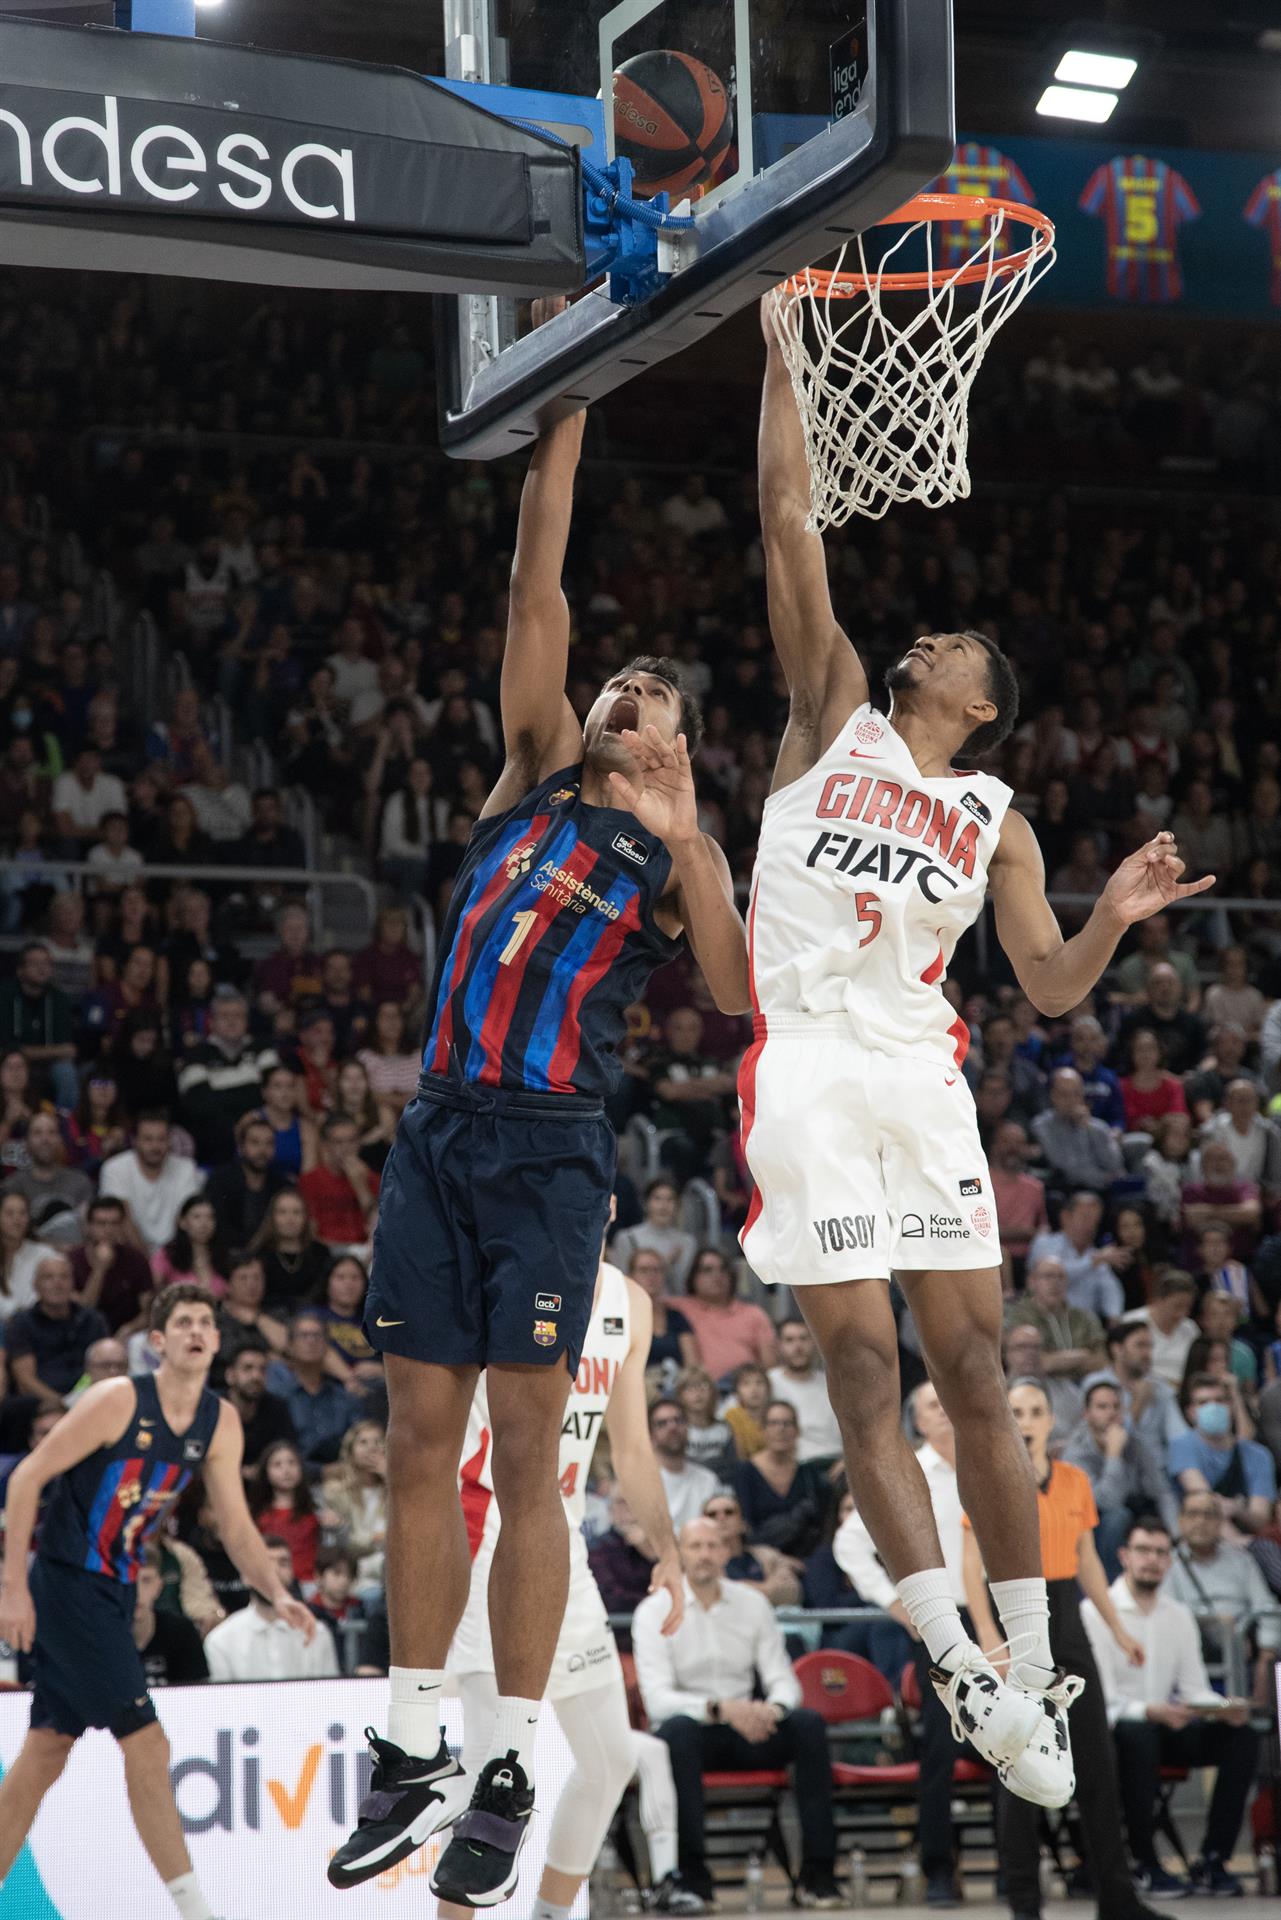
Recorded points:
997,1719
1043,1773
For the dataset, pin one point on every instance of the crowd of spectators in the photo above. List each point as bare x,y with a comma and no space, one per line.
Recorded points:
198,1081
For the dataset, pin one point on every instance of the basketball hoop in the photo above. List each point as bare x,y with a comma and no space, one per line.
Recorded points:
884,403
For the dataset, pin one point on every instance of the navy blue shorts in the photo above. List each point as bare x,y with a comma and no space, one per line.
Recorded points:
491,1214
86,1668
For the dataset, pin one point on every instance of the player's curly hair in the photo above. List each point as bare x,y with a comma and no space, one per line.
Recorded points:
663,667
1002,691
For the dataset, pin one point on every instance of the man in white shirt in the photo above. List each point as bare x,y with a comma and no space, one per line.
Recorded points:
802,1382
688,1488
1165,1713
82,798
152,1181
1173,1329
698,1686
256,1644
858,1559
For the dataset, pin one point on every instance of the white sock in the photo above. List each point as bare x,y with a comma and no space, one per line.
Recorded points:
187,1897
544,1910
1024,1607
661,1842
931,1607
414,1719
515,1728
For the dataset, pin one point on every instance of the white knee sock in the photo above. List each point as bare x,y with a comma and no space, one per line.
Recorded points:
187,1897
1024,1608
414,1718
931,1607
544,1910
515,1730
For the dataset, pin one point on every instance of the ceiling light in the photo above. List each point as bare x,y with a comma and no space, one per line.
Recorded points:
1096,69
1076,103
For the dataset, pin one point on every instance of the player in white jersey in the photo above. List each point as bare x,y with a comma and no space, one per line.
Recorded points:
874,856
586,1682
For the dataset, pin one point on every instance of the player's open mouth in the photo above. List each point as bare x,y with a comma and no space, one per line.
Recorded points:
623,713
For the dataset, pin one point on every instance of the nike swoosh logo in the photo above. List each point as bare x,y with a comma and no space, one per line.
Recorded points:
862,756
380,1322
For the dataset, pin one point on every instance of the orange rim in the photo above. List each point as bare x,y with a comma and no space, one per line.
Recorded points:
935,206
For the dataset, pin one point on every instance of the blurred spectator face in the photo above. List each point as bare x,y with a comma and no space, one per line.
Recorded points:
15,1076
335,974
752,1389
337,1145
1218,1168
1242,1102
1102,1410
246,1284
307,1341
780,1428
660,1204
930,1415
1232,967
646,1268
15,1219
703,1553
1229,1041
44,1142
289,1217
711,1279
247,1375
1089,1042
1135,1353
1174,1137
1024,1353
796,1348
266,812
284,1472
1032,1416
148,1586
1219,1314
1145,1052
106,1360
345,1287
281,1089
993,1095
105,1224
1067,1094
1216,1249
1009,1147
293,930
87,766
1201,1521
333,1584
366,1448
683,1029
228,1019
1047,1284
669,1432
151,1144
35,969
53,1283
317,1036
140,971
1212,1394
1165,990
389,1027
998,1040
283,1562
1080,1219
392,929
258,1146
1131,1229
726,1516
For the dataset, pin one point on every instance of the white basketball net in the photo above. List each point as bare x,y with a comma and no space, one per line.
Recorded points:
885,405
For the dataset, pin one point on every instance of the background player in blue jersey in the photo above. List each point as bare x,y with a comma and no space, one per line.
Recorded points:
118,1461
586,866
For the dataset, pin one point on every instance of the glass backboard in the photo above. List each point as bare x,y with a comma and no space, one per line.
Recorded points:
789,125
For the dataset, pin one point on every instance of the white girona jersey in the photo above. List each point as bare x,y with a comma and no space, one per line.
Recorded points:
867,874
609,1333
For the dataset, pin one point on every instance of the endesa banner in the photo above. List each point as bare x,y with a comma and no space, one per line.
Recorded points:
267,1780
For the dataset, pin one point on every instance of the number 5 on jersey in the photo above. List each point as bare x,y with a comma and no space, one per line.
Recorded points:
867,910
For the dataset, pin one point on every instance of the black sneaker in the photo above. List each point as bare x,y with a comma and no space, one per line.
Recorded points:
481,1864
1211,1876
1166,1886
408,1800
941,1889
817,1888
674,1895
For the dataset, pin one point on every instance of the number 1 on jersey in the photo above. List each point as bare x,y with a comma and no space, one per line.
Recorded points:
524,921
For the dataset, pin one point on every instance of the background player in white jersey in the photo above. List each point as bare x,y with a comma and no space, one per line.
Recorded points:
860,1132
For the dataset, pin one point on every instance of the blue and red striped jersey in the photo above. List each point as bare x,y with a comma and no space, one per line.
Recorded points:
549,938
103,1511
976,169
1143,204
1263,209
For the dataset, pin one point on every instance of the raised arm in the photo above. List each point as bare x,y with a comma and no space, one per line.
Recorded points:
540,732
1054,973
824,674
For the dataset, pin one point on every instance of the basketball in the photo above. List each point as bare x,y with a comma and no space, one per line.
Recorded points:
671,120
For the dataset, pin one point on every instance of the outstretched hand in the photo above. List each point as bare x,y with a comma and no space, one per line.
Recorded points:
661,790
1149,879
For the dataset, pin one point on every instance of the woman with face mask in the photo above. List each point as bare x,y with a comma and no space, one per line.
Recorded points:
1213,1456
1068,1517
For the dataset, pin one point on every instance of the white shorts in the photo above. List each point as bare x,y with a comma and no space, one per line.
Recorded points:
585,1652
863,1162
